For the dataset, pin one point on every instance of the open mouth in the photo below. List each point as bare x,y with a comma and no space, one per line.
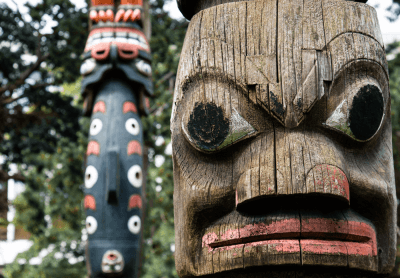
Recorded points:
123,36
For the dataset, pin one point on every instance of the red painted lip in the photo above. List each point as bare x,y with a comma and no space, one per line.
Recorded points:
313,235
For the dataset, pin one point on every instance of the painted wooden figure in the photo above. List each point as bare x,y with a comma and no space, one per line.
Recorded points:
282,142
116,84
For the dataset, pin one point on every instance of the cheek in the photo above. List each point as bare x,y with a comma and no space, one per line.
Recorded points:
203,183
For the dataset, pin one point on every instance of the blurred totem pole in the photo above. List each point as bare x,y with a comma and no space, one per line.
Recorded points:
116,85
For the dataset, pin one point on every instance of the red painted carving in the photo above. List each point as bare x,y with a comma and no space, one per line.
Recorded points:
135,201
100,106
134,147
126,50
93,148
147,101
89,202
332,179
316,235
129,107
132,2
102,2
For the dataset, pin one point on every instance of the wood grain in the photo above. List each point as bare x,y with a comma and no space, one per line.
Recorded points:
290,186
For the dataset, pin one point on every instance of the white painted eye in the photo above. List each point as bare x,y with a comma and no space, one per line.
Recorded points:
135,176
117,267
132,126
144,67
88,66
91,176
95,127
91,224
134,224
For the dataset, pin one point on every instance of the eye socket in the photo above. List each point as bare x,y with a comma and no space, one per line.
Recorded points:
134,224
209,130
91,176
135,176
91,224
132,126
362,118
95,127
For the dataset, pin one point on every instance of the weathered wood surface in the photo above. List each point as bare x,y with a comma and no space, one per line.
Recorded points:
282,141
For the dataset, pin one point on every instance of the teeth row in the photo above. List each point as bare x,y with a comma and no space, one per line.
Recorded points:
133,41
129,35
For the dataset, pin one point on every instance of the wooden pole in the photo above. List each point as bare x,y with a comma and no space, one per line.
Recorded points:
116,86
282,149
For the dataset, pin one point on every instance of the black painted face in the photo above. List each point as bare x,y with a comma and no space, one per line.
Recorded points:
113,182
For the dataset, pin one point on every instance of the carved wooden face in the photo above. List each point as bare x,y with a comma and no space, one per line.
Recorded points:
282,142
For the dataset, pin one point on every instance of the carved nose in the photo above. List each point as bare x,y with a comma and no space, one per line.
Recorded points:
321,180
112,176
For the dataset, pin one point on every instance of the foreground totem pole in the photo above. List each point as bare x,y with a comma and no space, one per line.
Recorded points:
116,83
281,139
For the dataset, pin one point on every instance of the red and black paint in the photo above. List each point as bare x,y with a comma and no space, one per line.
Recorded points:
116,87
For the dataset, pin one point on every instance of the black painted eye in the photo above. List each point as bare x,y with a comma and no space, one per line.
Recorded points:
208,129
366,112
362,118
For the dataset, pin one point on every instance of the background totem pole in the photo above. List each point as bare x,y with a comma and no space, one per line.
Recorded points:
117,79
282,148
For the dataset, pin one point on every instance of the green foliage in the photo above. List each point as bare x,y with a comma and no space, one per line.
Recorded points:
35,114
50,209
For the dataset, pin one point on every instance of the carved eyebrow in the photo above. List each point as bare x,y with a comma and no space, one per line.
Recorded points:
335,47
198,75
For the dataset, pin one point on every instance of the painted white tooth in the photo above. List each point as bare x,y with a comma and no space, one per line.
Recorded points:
119,39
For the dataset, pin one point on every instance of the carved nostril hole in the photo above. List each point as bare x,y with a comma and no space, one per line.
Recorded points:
100,52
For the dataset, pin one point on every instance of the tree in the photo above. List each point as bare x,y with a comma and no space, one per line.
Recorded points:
40,132
394,9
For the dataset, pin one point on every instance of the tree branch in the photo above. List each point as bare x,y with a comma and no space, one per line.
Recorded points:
5,177
24,75
36,86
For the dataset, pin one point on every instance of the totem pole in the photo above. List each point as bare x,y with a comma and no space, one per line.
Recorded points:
116,84
282,142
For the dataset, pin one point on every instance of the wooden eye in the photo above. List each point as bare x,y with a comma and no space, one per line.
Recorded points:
209,130
362,118
95,127
132,126
134,224
135,176
91,224
366,112
91,176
